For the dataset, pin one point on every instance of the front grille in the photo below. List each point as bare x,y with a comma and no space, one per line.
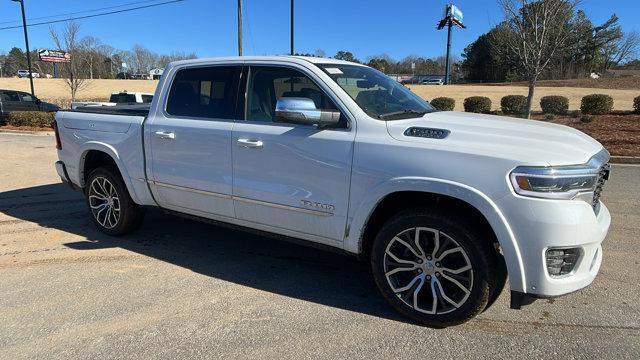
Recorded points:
603,176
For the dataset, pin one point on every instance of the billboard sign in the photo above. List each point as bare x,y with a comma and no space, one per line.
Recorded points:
54,56
455,13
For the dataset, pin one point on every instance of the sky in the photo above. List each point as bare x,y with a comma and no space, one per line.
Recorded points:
208,27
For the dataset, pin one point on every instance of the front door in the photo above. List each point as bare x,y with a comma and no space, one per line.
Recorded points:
28,102
292,177
190,142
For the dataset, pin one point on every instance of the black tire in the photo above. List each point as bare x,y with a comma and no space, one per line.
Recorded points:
475,285
130,215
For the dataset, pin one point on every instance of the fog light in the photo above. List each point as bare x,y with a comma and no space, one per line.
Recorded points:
561,262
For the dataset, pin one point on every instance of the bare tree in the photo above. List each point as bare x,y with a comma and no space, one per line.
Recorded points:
624,49
535,30
72,70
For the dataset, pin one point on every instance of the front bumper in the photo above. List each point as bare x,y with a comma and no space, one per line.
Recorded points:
540,224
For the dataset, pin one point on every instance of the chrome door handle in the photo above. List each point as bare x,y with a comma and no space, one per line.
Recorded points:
246,143
165,135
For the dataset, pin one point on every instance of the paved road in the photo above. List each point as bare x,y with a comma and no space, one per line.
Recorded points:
178,289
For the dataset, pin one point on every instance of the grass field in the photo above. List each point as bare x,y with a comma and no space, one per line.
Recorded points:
56,91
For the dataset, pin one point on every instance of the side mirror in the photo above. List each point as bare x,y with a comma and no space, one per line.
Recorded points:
297,110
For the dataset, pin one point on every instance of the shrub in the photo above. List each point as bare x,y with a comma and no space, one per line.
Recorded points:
596,104
586,118
549,117
443,103
513,104
576,113
553,104
636,104
477,104
31,118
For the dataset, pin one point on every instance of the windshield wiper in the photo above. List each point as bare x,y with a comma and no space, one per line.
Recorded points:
401,112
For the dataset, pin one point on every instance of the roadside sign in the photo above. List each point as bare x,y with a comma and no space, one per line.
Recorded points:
455,13
55,56
413,66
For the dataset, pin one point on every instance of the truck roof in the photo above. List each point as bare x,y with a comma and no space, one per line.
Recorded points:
311,59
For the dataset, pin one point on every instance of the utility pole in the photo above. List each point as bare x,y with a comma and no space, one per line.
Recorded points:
291,52
26,43
447,62
239,27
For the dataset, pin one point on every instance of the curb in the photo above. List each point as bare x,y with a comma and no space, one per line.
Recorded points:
27,132
625,160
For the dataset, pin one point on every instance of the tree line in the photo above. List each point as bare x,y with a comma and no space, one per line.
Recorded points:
96,60
585,47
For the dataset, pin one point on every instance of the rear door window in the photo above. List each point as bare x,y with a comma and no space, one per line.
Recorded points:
10,96
205,92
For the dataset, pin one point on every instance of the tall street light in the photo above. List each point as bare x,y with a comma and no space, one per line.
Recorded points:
291,52
26,42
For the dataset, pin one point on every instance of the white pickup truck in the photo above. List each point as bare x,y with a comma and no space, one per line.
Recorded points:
118,98
442,204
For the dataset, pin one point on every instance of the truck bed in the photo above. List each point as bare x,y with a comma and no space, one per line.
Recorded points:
132,110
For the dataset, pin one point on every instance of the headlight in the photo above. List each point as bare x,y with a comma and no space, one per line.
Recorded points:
553,183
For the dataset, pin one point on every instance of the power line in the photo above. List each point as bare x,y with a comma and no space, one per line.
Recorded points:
81,12
94,15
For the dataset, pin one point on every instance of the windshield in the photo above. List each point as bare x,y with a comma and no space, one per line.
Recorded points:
377,94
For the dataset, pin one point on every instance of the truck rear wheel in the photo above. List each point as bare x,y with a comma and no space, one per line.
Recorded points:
433,267
109,203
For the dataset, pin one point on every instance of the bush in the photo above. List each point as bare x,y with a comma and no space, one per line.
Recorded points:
549,117
31,118
586,118
513,104
575,113
553,104
596,104
477,104
636,104
443,103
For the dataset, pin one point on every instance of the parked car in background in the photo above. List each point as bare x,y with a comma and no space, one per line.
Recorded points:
25,74
11,100
442,205
118,98
432,82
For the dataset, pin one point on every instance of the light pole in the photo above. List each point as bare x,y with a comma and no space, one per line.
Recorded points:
291,52
239,27
26,43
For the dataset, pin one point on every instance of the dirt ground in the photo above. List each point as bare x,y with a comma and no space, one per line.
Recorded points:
629,82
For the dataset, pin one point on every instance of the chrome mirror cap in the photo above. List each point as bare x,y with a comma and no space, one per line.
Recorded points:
298,110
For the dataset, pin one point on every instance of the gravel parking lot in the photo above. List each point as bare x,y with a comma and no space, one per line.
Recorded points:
179,289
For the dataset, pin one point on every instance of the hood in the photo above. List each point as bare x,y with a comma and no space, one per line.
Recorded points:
527,142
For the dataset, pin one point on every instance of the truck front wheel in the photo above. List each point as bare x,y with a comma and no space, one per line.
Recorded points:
109,203
433,267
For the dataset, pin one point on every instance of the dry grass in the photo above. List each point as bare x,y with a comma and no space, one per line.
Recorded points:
628,83
57,92
623,99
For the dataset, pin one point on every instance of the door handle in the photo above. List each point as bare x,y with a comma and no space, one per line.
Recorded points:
253,144
165,135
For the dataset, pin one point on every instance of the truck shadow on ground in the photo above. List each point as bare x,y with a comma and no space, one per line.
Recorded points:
262,263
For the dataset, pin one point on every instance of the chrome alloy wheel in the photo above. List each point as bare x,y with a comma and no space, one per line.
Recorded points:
104,202
428,270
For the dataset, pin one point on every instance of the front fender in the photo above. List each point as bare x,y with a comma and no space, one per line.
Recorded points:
113,153
470,195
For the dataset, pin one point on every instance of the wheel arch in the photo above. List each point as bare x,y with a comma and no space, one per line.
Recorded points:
423,191
96,154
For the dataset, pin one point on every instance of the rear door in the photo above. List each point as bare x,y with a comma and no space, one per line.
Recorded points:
293,178
189,139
